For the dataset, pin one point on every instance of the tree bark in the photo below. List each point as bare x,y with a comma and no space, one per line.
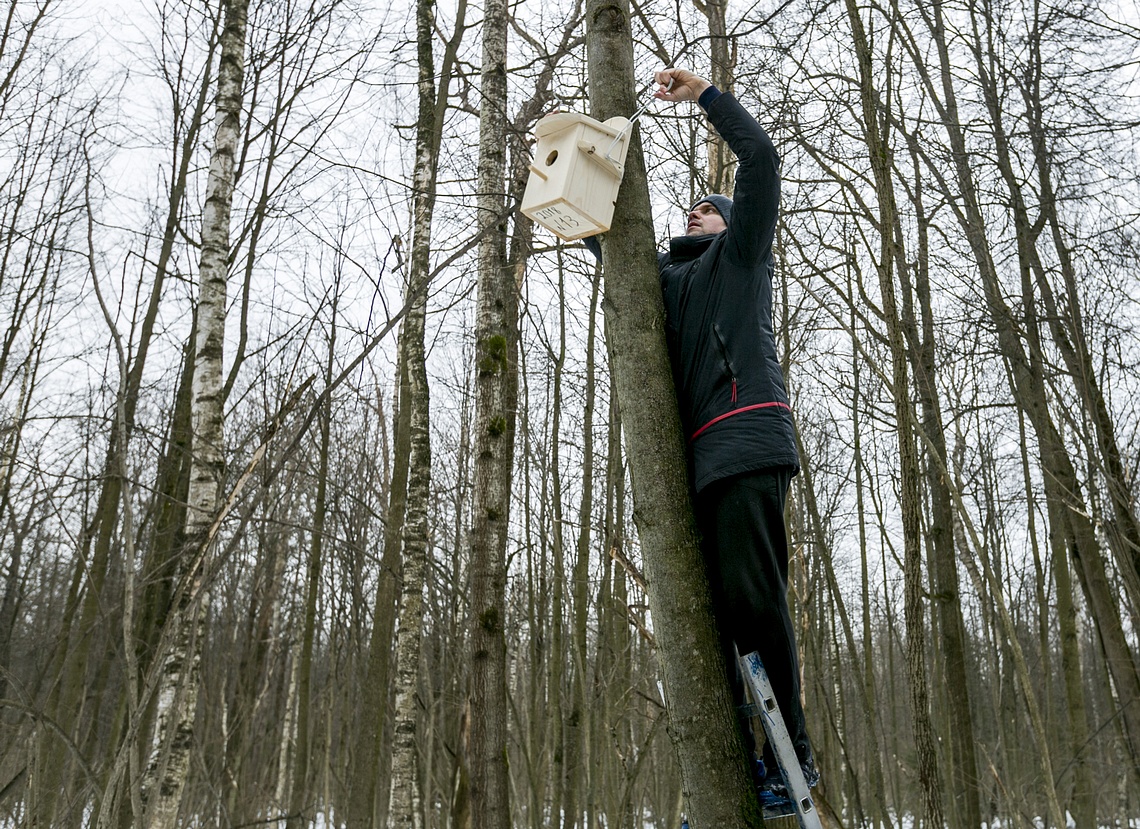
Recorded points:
168,766
496,393
721,162
1026,374
891,257
962,774
361,811
405,809
701,718
1083,803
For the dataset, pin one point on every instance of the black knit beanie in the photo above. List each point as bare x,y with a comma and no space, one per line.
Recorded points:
723,205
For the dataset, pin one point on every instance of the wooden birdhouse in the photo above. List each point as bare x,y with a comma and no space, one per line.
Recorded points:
575,174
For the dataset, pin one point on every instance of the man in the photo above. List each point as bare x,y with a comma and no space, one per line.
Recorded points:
717,285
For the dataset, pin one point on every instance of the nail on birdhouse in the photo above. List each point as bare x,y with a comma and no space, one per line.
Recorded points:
575,174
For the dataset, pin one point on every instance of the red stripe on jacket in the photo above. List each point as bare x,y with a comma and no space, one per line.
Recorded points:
716,420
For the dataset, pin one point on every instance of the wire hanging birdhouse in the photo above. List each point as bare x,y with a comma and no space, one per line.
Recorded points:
574,177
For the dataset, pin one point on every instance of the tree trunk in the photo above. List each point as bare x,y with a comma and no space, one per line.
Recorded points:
890,257
874,757
702,722
256,672
556,716
578,723
168,766
722,163
1083,804
361,811
405,809
496,393
962,774
1026,384
369,758
814,529
300,797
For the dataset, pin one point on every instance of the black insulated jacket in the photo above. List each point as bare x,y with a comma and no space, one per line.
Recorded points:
718,319
718,311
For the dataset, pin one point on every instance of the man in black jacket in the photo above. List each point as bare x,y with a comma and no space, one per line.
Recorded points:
717,285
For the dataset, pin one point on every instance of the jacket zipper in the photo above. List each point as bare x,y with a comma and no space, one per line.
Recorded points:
727,359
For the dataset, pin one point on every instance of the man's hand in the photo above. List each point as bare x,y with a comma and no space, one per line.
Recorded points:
686,86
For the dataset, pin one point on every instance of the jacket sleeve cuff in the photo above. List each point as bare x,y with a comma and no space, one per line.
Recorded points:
707,97
594,246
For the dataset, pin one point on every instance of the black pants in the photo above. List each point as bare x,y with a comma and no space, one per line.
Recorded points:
745,546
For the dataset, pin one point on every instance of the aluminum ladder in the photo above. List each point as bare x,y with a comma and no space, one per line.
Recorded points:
766,708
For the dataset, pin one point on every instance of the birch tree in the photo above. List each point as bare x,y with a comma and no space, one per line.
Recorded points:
405,808
370,738
168,765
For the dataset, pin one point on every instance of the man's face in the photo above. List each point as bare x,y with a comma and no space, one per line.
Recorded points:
704,219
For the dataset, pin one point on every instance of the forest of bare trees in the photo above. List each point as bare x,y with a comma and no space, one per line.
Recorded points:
316,506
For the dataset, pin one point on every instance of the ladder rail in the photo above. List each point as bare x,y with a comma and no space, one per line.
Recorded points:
773,722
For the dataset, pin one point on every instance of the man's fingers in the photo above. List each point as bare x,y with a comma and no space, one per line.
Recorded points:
667,80
676,85
666,91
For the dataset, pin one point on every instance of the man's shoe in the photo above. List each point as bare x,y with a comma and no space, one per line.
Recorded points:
773,781
774,805
772,791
